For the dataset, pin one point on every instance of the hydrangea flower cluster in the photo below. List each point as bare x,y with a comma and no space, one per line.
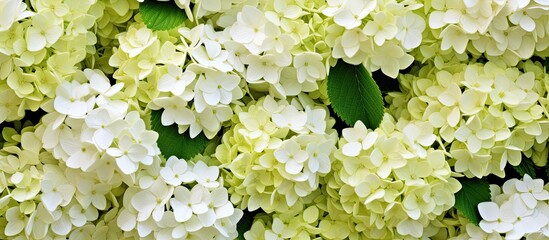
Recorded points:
488,115
251,76
518,210
277,152
508,30
90,150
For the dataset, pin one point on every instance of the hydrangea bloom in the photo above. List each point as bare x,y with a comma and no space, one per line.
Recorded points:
251,76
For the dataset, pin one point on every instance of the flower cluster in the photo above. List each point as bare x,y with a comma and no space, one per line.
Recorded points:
161,205
488,115
391,181
517,210
251,76
277,152
508,30
521,208
40,48
94,151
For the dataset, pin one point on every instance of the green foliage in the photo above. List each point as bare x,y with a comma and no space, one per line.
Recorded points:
526,166
161,15
473,192
171,142
354,95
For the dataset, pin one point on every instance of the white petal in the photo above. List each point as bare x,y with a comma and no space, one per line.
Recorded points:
126,165
35,40
126,220
51,201
208,218
212,98
62,226
293,167
352,149
224,211
313,165
103,138
489,211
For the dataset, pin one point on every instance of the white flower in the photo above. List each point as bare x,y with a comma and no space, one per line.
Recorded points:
152,201
54,194
185,4
390,58
316,120
103,127
476,81
291,118
12,11
99,83
90,193
309,67
129,154
249,28
506,91
176,172
46,29
283,10
334,6
358,138
80,216
16,221
466,161
220,203
176,82
135,40
350,44
528,221
474,134
81,155
523,19
292,156
382,28
410,29
218,87
319,156
388,154
351,15
206,176
227,226
206,122
531,191
496,218
410,227
139,133
267,67
181,204
475,232
211,55
454,37
275,41
279,230
210,206
69,99
175,110
419,135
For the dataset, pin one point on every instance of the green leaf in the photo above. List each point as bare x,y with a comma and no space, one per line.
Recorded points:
171,142
526,166
473,192
355,95
161,15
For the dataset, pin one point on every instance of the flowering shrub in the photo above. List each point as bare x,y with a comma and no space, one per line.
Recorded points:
284,119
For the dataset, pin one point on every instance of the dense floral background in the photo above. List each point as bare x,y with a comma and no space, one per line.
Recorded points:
256,119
